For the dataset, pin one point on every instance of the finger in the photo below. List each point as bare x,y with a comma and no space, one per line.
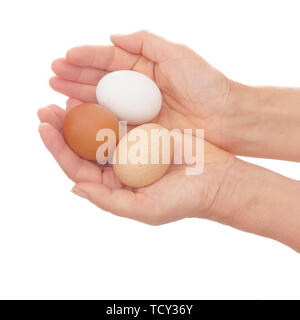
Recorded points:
60,113
75,167
121,202
72,103
109,178
146,44
83,92
108,58
72,72
48,115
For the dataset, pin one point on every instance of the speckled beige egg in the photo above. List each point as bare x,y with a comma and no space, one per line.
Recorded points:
141,157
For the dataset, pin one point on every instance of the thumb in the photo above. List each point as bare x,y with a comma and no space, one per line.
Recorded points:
146,44
120,202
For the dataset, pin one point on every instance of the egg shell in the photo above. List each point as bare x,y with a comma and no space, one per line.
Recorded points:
81,125
140,174
130,95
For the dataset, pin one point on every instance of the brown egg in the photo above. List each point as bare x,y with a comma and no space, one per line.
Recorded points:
81,125
140,171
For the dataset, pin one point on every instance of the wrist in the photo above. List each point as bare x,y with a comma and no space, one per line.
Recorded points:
256,200
242,120
262,122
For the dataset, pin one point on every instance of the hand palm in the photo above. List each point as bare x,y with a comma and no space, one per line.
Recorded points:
194,93
183,92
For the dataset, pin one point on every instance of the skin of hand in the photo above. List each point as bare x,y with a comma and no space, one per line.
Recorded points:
186,196
195,95
244,120
229,191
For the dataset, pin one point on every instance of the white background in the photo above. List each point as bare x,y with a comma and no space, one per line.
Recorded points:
56,245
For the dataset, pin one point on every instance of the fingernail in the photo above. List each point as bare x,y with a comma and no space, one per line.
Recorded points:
42,124
79,192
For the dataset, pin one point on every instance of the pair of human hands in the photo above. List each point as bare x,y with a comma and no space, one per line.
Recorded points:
195,95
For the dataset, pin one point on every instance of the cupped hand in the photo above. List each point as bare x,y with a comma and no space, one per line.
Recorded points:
194,93
175,196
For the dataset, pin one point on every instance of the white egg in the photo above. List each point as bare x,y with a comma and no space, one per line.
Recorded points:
130,96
